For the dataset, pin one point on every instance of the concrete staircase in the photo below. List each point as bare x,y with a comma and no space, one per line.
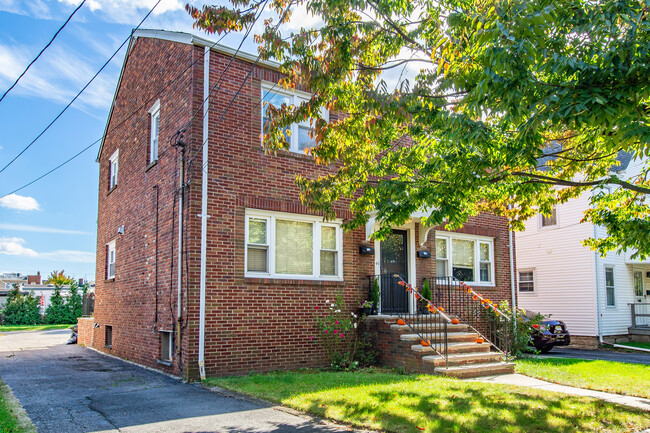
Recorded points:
400,346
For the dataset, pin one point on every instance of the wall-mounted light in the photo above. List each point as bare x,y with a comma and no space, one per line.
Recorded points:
363,249
424,254
120,230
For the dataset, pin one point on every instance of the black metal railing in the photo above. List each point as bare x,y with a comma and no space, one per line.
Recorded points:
88,305
640,314
427,323
482,316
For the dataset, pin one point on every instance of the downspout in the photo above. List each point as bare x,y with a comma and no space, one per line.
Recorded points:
513,291
597,270
204,209
180,255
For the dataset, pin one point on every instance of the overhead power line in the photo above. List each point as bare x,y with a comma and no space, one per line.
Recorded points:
80,92
43,50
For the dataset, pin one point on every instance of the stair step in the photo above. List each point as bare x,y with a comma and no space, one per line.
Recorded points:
430,327
476,370
460,347
464,359
451,336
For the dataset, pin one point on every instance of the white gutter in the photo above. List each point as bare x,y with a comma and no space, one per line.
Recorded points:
204,210
513,290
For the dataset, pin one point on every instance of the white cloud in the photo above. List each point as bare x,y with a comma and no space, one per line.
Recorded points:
57,76
128,11
19,202
37,229
15,247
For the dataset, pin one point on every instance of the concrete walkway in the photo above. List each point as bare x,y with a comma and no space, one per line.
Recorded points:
529,382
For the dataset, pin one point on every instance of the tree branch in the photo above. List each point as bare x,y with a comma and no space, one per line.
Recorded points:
610,180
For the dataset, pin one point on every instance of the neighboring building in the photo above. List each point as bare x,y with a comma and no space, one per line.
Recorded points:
594,295
7,280
260,259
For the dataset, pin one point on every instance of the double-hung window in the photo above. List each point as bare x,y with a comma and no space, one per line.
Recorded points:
113,166
550,220
110,260
280,245
297,134
153,132
609,287
527,281
464,257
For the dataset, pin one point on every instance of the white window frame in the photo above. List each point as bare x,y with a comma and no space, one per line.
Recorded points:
154,141
534,281
449,236
613,287
110,247
113,169
634,274
317,222
297,98
553,213
170,354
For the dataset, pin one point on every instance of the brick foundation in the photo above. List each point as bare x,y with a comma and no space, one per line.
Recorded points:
85,331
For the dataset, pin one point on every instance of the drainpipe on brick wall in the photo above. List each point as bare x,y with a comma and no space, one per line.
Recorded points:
180,254
204,209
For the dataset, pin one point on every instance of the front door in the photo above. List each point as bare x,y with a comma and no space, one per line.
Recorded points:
393,256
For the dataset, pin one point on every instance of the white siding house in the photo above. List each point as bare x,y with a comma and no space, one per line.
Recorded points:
561,277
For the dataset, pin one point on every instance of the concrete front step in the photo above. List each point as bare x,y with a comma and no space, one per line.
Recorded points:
451,336
424,327
460,347
477,370
464,359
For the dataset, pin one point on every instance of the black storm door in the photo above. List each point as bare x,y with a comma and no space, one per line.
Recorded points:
394,253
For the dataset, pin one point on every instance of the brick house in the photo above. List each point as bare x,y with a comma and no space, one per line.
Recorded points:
253,261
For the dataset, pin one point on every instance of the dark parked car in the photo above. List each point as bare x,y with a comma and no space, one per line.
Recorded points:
548,334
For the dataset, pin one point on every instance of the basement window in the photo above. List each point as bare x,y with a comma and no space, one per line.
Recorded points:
108,337
166,346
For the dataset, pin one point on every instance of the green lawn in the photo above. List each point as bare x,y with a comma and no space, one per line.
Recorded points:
608,376
8,328
13,418
635,344
413,403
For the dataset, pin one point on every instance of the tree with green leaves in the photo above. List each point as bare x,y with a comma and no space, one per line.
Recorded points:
59,279
74,304
20,309
57,312
460,107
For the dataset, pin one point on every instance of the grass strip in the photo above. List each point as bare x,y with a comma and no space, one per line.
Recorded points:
10,328
391,402
13,418
609,376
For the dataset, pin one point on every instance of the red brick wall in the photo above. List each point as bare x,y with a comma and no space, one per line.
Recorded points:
85,331
252,324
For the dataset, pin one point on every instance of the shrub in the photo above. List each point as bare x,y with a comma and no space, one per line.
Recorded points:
74,304
21,309
514,331
57,312
374,293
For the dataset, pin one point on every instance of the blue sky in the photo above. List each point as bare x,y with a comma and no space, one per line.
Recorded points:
51,225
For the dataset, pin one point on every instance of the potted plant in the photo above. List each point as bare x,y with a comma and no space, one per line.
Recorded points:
374,296
365,308
426,296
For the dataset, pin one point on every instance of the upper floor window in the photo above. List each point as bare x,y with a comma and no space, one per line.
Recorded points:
153,133
298,134
464,257
550,220
110,260
527,281
283,245
113,166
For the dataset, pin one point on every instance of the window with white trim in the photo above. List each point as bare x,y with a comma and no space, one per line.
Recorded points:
638,283
113,166
550,220
609,287
110,260
280,245
298,134
527,281
153,132
465,257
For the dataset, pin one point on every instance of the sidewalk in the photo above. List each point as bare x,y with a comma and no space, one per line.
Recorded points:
521,380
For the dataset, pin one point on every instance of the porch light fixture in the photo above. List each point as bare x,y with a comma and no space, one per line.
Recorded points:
424,254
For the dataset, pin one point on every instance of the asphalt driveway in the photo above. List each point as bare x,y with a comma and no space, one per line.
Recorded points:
69,389
601,354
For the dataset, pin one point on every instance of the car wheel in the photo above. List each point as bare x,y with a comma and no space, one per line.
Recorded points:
546,349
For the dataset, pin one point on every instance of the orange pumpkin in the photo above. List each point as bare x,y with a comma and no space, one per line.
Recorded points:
441,309
475,297
455,321
425,343
479,340
401,322
417,297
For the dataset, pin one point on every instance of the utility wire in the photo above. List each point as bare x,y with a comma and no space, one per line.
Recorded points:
41,52
79,93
